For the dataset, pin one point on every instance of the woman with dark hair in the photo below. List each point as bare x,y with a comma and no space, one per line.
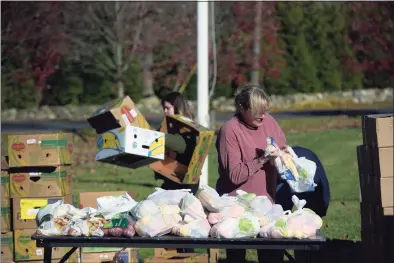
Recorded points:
175,104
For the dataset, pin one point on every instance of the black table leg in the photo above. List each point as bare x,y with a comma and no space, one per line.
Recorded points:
47,254
67,255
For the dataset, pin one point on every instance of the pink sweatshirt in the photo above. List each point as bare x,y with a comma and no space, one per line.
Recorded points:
238,147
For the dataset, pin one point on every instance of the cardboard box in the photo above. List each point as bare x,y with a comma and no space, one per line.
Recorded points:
180,258
116,114
7,247
25,247
168,253
40,149
74,258
185,168
4,163
378,130
89,199
376,161
129,255
5,216
40,181
131,146
25,209
375,190
5,187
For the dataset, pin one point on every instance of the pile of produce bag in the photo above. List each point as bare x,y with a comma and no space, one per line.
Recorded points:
180,213
303,223
298,172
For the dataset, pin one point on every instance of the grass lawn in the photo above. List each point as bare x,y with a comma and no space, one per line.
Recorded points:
335,148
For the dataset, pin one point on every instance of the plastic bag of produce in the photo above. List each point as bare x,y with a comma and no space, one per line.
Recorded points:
144,208
211,200
168,197
303,223
169,209
191,206
78,227
275,213
256,205
108,206
53,227
245,226
122,224
299,173
233,211
196,229
156,225
45,213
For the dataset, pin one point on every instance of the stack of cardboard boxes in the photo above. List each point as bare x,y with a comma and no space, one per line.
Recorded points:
7,243
375,162
38,174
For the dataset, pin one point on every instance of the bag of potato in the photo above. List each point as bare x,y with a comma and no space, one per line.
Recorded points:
233,211
256,205
191,206
303,223
245,226
198,228
122,224
156,225
168,197
211,200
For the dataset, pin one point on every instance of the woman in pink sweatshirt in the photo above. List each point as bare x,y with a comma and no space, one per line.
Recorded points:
240,144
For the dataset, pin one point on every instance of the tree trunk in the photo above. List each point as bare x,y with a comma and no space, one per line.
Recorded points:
120,86
148,75
39,91
256,44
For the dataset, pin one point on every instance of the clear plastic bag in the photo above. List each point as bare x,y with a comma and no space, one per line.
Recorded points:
299,173
211,200
197,229
256,205
191,206
168,197
245,226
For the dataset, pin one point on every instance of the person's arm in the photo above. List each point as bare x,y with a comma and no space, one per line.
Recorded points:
230,158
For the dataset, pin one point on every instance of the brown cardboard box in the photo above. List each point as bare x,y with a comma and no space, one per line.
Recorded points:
185,168
375,190
40,181
25,247
25,209
5,216
378,130
7,247
180,258
5,187
376,161
129,255
40,149
169,253
4,163
74,258
117,113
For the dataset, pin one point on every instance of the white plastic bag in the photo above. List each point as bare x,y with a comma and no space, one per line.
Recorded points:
246,226
144,208
299,173
211,200
108,206
303,223
233,211
191,206
45,213
156,225
196,229
275,213
256,205
168,197
53,227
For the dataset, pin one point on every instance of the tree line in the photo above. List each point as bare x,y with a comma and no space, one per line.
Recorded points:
57,53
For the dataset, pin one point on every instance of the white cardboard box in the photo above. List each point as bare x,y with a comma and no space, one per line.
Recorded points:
130,146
